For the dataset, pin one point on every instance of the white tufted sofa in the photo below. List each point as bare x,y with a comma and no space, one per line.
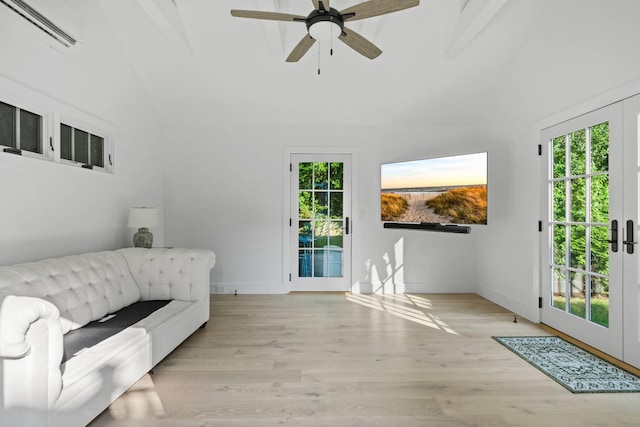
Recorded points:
42,301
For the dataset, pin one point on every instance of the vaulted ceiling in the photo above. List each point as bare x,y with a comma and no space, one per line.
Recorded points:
443,62
439,61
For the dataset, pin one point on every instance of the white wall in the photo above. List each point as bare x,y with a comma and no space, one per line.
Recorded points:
49,209
578,51
224,191
221,187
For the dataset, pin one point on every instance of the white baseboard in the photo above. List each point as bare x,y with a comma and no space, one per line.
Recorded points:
531,313
358,288
249,288
414,288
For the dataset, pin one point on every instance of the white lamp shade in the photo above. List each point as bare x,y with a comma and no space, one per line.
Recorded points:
143,217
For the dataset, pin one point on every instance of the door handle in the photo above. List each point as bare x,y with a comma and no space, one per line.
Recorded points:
614,236
346,225
629,242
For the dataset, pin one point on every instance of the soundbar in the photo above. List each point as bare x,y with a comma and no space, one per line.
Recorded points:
429,226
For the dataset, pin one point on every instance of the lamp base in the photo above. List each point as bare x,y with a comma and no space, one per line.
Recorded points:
143,238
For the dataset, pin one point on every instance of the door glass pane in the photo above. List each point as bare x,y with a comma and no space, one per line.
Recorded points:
97,151
559,156
600,198
559,197
305,176
578,200
321,204
600,250
600,147
304,263
335,234
30,132
305,234
335,205
65,142
559,244
305,209
578,292
578,152
321,176
559,286
81,143
334,263
320,265
337,172
321,234
578,249
600,300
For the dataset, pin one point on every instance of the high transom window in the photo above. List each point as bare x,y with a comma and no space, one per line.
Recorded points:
20,130
80,146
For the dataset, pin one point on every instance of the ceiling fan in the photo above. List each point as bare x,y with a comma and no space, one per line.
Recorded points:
325,23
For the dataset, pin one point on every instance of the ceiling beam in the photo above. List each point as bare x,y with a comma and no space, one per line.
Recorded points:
275,32
164,14
472,19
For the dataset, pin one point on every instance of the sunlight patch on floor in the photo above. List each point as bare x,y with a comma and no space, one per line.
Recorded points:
140,402
408,307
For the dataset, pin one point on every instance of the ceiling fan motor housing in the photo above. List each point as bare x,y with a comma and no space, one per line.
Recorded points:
325,25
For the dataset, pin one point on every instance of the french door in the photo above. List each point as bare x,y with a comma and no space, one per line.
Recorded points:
590,226
320,237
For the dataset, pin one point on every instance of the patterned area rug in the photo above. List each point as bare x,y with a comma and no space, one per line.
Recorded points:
572,367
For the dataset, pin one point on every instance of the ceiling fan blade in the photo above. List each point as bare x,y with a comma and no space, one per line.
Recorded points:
321,4
358,43
301,48
271,16
372,8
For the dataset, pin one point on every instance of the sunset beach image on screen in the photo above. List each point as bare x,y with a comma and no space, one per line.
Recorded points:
442,190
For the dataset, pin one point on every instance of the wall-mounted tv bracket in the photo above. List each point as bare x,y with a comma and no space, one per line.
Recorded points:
430,226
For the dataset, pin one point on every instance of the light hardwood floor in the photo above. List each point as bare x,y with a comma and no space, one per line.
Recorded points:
358,360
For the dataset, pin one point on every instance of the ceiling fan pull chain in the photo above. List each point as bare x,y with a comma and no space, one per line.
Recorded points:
319,58
331,48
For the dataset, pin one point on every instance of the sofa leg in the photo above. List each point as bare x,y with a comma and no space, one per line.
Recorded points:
204,325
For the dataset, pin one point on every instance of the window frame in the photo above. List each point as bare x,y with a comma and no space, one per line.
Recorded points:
45,133
91,130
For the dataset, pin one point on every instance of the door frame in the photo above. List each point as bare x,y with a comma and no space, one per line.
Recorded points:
287,268
631,198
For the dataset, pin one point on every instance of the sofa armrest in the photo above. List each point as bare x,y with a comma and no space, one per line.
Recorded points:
31,350
161,273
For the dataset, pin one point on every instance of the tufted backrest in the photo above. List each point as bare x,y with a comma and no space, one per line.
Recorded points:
83,287
181,274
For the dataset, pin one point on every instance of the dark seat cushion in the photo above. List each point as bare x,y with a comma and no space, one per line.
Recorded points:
99,330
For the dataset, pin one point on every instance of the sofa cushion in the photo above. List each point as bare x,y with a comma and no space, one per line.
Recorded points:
99,330
83,287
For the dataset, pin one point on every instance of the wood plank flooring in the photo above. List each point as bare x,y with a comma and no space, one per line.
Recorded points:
358,360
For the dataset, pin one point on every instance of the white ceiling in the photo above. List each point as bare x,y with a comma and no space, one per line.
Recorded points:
233,70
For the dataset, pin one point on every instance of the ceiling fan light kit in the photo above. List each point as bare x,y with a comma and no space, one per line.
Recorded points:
325,23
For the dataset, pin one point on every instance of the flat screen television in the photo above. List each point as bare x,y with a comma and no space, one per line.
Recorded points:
443,190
